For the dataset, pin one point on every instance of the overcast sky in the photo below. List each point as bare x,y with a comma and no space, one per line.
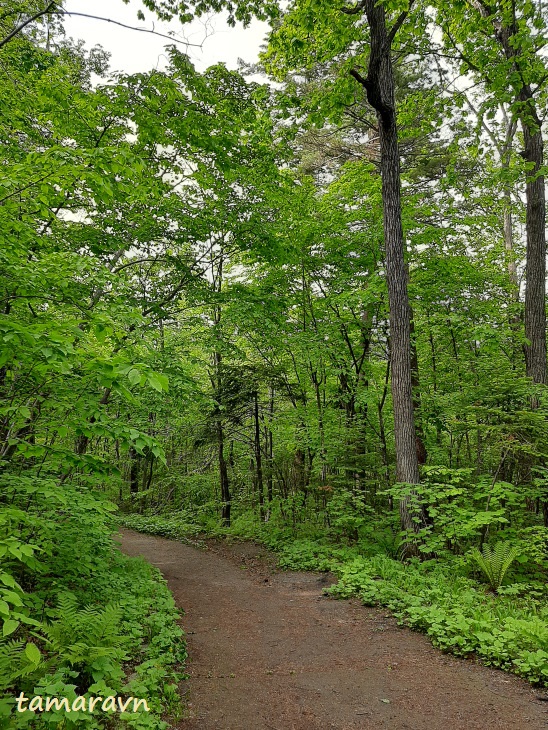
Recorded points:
133,51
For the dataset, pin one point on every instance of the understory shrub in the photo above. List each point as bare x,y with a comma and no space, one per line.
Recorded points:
455,611
176,527
79,618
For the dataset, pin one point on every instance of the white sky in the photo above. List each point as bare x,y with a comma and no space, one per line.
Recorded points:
133,51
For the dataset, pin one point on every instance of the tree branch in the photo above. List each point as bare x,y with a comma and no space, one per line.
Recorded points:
373,95
467,61
356,10
483,9
130,27
359,78
19,28
398,24
25,187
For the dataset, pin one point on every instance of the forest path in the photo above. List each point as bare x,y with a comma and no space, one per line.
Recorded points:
269,652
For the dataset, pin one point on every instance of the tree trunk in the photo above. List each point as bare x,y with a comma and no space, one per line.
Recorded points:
258,456
270,449
133,471
535,216
379,86
223,476
407,468
535,268
422,454
509,244
316,383
217,382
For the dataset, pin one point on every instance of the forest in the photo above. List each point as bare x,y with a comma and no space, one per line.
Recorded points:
308,311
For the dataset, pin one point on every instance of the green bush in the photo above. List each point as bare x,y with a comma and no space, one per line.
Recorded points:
78,618
177,527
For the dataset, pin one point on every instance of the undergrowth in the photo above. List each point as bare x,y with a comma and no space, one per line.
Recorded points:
78,618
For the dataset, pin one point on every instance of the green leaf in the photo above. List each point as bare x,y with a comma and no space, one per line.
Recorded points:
134,376
158,381
9,627
33,653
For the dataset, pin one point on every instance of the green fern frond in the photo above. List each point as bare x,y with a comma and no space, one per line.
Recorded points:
495,560
13,664
81,636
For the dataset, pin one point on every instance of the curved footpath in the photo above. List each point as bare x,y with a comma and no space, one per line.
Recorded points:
269,652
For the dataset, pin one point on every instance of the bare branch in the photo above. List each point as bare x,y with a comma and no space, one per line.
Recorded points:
20,27
131,27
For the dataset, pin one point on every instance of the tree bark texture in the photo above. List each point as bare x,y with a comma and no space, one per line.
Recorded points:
535,268
133,471
379,85
507,35
422,454
223,475
258,456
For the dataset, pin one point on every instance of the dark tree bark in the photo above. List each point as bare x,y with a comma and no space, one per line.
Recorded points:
223,474
379,85
535,268
216,377
507,35
258,455
270,450
133,471
422,454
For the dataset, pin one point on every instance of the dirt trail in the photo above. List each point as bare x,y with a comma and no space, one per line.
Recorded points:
269,652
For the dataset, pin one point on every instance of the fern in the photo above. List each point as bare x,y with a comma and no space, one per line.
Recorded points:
495,560
11,662
88,640
16,663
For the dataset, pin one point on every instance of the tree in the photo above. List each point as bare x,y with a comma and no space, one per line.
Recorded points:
379,86
501,44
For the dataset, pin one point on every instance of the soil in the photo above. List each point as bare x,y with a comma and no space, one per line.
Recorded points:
268,651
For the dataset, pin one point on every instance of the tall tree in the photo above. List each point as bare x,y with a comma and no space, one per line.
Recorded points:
380,88
372,49
501,43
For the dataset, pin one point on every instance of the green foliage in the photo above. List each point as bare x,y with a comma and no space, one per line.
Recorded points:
87,639
463,508
454,612
348,513
90,650
78,616
495,560
193,316
177,527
